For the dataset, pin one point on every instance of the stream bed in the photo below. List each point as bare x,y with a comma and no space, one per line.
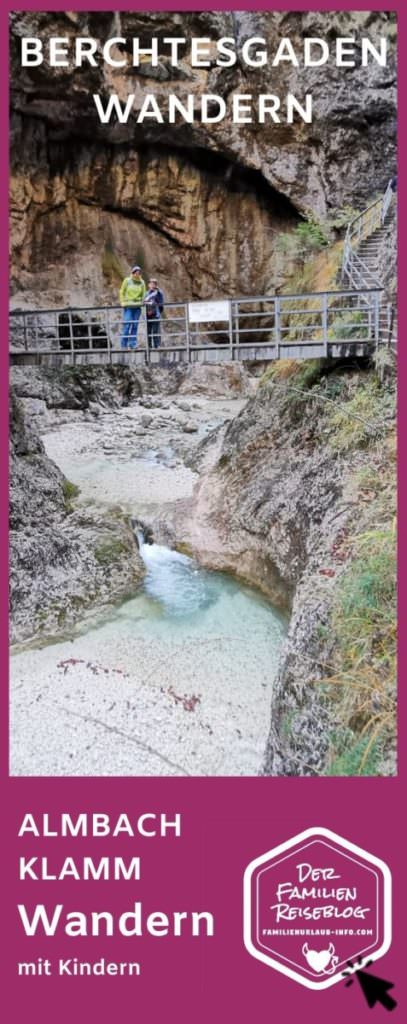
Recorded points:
176,680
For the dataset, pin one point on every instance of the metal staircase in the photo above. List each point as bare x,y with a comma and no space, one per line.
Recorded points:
360,266
368,252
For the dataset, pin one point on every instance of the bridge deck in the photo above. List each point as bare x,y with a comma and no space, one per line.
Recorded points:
257,328
206,354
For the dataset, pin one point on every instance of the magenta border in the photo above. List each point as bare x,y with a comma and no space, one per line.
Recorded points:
346,805
59,5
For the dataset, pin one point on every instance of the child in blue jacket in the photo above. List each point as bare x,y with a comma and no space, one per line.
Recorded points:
154,302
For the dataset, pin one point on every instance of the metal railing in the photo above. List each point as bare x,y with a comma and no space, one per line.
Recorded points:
273,326
354,269
388,197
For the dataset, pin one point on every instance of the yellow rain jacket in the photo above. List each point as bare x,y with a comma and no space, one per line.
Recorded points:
132,292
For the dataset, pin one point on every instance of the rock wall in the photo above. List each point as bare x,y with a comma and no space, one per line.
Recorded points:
199,205
78,387
62,561
277,503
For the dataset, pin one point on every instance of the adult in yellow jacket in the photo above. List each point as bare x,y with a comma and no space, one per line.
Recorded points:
132,294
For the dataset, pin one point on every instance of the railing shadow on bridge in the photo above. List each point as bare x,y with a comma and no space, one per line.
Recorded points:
250,328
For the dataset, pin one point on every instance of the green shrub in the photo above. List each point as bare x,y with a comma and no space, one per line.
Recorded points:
298,373
70,491
313,235
350,325
358,422
356,757
363,683
367,594
309,236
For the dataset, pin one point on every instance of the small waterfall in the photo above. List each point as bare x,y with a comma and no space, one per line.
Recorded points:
139,534
174,580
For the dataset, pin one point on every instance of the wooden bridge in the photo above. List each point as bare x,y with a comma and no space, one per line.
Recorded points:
262,327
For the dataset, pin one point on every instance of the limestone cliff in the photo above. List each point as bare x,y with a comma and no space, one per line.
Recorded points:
200,205
297,497
62,560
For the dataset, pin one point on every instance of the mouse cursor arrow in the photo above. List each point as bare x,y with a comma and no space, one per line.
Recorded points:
376,990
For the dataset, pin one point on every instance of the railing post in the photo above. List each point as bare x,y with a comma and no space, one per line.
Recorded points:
347,268
325,323
376,318
230,330
345,255
109,343
390,322
71,336
277,324
187,335
237,331
36,333
148,353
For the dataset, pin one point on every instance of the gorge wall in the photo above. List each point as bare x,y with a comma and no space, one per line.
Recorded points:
58,555
297,496
199,205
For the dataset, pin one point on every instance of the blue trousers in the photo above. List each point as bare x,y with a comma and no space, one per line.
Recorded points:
131,317
153,332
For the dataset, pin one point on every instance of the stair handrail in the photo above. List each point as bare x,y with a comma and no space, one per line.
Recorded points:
364,218
358,273
361,227
387,199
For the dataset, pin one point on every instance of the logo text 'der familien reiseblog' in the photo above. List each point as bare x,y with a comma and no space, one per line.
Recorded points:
315,902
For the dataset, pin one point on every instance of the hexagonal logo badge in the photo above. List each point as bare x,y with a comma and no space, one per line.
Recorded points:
314,903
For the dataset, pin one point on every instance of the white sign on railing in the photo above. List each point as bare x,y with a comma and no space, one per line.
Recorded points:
203,312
